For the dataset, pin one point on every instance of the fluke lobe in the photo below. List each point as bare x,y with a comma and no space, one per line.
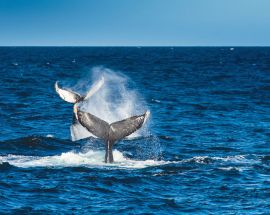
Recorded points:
110,133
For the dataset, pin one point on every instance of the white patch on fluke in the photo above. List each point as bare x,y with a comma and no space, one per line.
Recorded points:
67,95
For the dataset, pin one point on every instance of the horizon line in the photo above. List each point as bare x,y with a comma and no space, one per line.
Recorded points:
138,46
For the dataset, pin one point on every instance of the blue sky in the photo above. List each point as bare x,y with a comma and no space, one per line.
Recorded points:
135,22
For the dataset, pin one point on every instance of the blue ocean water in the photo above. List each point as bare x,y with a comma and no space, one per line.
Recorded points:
206,149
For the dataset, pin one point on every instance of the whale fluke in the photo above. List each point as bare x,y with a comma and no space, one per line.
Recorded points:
110,133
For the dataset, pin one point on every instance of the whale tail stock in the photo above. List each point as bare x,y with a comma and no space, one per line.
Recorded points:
110,133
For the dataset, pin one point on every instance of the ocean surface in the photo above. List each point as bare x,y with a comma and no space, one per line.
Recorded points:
204,150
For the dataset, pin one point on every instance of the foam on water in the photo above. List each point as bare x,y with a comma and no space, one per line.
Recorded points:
95,159
91,159
237,159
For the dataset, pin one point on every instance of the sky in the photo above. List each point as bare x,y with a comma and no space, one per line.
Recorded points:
134,23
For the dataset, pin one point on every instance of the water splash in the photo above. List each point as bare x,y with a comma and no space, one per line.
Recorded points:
90,159
95,159
114,101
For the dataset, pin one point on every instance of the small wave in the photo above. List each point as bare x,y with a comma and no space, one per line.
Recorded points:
36,145
200,159
4,165
240,159
49,136
91,159
231,169
156,100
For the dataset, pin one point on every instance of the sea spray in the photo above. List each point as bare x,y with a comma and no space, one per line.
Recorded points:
115,100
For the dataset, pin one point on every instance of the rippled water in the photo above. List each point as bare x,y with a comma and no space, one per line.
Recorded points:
205,150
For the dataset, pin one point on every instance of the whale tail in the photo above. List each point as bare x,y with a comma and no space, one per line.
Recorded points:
110,133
